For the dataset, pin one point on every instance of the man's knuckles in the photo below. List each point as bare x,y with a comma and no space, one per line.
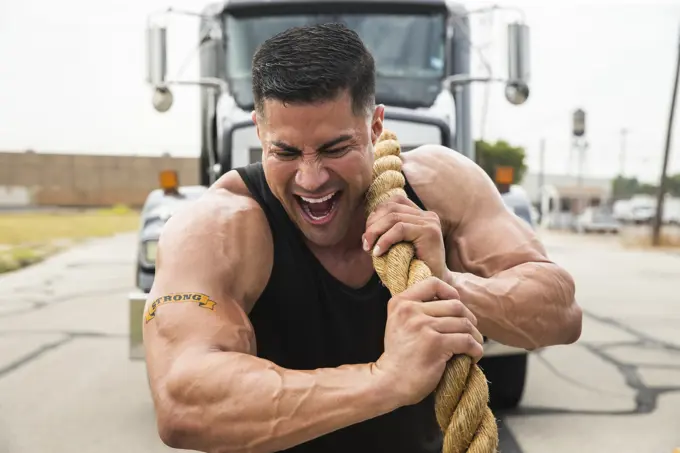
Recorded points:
455,306
433,229
392,231
407,227
400,306
399,232
394,201
377,227
452,325
394,218
466,344
427,289
391,227
418,323
389,216
397,203
432,215
470,346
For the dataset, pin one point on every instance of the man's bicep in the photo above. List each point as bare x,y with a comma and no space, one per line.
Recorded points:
488,237
213,262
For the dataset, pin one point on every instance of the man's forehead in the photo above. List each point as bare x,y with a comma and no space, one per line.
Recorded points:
315,136
275,110
311,122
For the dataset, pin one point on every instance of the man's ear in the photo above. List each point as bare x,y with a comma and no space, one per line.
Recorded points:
253,116
377,123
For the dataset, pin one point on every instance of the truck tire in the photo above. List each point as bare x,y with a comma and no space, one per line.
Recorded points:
506,375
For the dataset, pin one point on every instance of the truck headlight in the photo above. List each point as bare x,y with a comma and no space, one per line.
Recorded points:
149,250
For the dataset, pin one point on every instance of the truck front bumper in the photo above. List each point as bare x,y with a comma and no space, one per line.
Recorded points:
136,302
493,349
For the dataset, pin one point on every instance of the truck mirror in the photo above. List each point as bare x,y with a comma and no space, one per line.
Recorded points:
157,66
162,99
516,92
157,60
517,87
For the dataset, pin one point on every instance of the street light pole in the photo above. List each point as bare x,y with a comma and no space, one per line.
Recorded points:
656,233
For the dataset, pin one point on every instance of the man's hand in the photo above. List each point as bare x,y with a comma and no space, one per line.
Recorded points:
400,219
422,336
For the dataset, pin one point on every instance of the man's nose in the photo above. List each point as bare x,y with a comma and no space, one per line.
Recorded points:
311,175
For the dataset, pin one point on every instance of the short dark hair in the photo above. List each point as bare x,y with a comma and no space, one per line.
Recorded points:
314,63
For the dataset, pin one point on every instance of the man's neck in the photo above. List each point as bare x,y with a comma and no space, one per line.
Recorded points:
351,242
347,261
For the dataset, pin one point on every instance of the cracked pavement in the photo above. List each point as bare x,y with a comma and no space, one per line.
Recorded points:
618,387
66,383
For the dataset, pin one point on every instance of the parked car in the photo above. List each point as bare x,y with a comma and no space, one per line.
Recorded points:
643,214
517,200
597,220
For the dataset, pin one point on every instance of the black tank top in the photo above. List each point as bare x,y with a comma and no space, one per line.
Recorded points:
307,319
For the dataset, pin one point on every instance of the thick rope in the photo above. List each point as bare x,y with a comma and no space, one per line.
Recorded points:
462,395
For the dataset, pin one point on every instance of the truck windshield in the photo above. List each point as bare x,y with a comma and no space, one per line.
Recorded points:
408,50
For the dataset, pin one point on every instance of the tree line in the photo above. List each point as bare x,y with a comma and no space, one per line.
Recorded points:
491,155
627,187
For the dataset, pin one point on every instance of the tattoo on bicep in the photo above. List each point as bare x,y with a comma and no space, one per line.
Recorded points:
201,299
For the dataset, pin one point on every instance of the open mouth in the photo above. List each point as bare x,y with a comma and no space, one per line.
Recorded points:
321,210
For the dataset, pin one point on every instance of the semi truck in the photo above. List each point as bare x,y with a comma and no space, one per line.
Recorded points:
422,50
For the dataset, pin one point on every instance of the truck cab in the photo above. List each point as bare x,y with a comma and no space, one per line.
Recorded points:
422,54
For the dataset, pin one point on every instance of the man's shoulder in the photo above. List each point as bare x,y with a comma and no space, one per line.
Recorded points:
227,203
437,162
445,180
222,240
231,182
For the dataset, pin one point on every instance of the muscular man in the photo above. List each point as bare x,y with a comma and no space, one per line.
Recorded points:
280,336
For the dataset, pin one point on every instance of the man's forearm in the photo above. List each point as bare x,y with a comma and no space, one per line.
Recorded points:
231,402
529,306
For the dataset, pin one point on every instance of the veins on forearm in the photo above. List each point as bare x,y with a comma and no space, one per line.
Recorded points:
527,305
288,402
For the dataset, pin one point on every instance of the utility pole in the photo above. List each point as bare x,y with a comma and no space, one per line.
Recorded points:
656,232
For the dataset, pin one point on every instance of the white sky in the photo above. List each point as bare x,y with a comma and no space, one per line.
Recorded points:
72,80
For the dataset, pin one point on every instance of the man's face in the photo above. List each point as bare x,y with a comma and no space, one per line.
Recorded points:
318,161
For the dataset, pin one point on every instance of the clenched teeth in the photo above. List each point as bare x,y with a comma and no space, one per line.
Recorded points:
319,200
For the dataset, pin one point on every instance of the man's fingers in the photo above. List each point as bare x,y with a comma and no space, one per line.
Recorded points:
451,308
449,325
377,226
463,344
396,203
428,290
399,232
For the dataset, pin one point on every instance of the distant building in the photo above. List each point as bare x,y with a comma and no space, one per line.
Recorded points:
559,199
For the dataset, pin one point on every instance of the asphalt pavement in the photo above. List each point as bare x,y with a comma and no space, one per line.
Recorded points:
67,385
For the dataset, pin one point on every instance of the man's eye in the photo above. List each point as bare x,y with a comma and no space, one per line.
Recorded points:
338,151
284,154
